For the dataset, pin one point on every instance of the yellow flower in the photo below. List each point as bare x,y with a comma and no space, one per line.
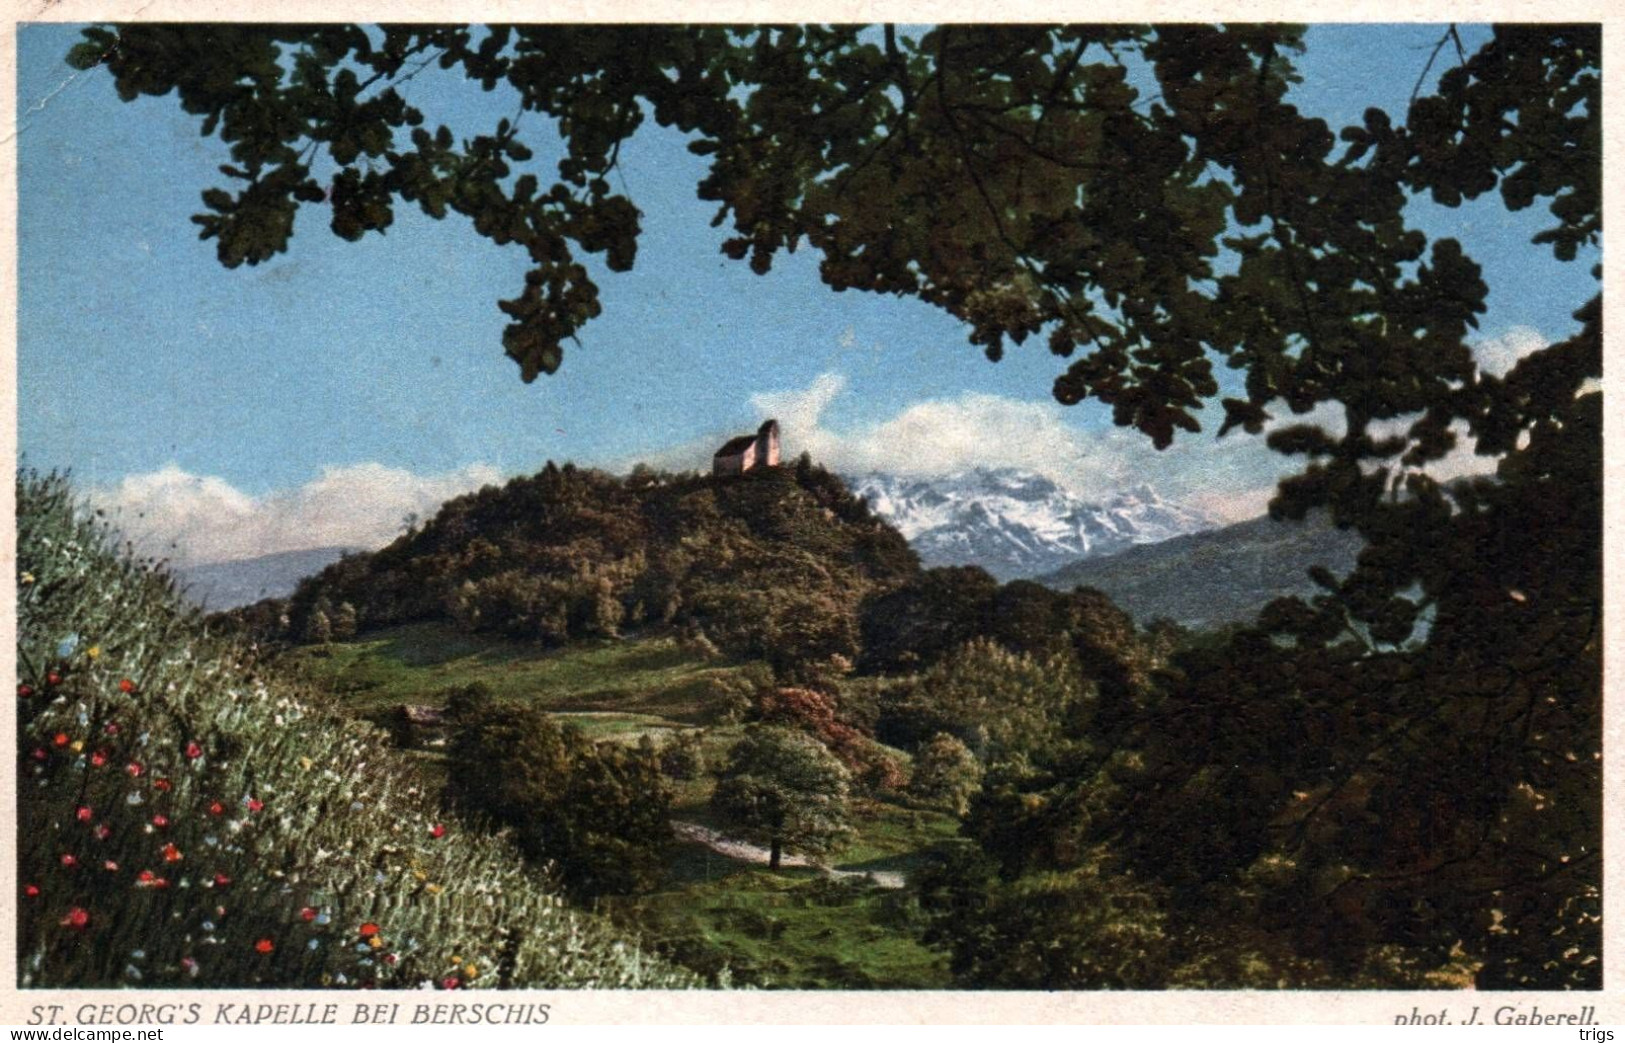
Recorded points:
455,960
470,971
26,578
93,651
420,875
376,942
306,763
433,889
77,746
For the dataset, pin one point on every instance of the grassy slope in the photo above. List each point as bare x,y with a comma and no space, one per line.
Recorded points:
189,823
793,929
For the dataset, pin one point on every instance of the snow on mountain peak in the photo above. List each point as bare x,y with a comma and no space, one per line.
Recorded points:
1017,523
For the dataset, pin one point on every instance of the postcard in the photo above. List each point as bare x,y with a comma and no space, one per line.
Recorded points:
786,516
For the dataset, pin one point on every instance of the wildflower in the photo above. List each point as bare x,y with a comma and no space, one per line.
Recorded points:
145,878
83,814
160,821
110,865
222,880
126,686
24,691
69,861
451,982
111,727
264,945
134,768
437,831
217,808
161,785
172,853
470,971
26,578
103,831
376,942
253,805
369,930
40,754
433,889
61,738
135,798
313,944
93,652
306,763
53,678
31,891
77,918
193,751
390,958
98,758
189,965
77,745
307,914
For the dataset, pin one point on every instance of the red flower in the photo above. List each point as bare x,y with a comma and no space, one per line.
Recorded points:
217,808
307,914
126,686
53,678
31,891
193,751
369,929
437,831
61,738
110,865
40,754
98,758
222,880
111,727
77,918
390,958
172,853
134,768
103,832
264,945
23,691
69,861
160,883
83,814
255,805
146,876
450,982
162,785
160,821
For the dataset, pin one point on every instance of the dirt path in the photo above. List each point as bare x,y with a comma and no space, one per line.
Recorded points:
745,852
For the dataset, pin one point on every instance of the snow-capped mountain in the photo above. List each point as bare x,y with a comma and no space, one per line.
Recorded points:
1016,523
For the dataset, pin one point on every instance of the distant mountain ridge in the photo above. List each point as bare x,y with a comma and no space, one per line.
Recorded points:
1222,576
224,585
1015,523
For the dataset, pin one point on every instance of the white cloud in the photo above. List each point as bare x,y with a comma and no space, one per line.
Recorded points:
1497,355
193,519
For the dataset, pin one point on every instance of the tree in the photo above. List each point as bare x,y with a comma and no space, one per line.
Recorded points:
345,622
318,628
945,772
1149,201
782,788
598,812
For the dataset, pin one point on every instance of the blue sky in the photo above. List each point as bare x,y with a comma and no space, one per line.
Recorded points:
342,379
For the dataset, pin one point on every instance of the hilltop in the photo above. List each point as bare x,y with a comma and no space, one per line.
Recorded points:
774,564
